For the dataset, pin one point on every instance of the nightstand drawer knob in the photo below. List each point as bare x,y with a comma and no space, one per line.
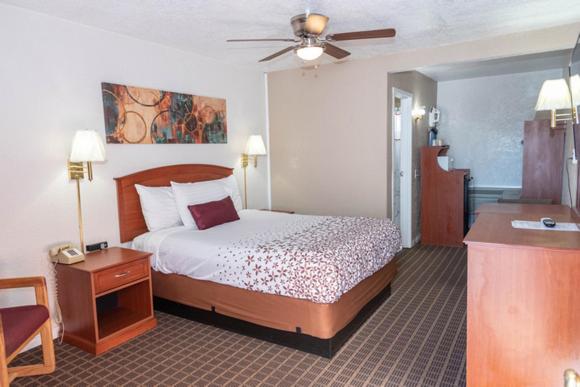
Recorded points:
123,274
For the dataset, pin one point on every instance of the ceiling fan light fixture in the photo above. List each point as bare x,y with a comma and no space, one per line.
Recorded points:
309,52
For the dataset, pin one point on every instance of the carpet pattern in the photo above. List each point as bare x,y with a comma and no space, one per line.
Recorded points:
416,338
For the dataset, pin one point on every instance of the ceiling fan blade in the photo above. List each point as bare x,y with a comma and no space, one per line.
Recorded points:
336,52
315,23
261,40
373,34
284,51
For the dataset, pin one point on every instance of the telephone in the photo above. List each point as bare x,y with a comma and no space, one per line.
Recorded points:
66,254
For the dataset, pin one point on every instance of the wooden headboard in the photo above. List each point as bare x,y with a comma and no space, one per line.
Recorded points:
131,221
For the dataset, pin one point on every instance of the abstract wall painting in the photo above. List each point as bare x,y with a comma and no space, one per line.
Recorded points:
135,115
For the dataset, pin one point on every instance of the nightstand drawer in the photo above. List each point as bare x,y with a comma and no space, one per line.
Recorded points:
120,275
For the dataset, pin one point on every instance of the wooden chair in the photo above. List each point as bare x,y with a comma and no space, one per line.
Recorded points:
19,325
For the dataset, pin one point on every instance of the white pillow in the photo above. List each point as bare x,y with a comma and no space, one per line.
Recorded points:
158,206
187,194
231,186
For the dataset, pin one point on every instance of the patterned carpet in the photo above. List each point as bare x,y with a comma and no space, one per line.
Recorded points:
416,338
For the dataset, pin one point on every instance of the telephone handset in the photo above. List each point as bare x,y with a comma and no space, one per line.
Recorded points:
66,254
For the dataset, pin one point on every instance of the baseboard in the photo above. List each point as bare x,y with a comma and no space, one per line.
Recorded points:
416,240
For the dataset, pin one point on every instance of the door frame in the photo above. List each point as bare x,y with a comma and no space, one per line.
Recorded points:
406,195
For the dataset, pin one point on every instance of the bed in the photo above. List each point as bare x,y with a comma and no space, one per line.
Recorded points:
301,281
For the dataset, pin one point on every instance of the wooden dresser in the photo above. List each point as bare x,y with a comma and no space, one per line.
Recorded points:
523,298
443,200
106,299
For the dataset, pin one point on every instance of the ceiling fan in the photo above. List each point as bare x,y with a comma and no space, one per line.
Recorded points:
310,45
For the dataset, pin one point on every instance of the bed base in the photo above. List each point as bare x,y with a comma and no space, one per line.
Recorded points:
322,347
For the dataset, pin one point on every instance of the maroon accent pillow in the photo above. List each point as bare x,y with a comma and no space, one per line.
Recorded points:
210,214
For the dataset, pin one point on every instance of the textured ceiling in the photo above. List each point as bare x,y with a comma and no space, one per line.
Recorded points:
511,65
202,26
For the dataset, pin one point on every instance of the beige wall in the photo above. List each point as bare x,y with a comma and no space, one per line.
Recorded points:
327,145
424,90
329,136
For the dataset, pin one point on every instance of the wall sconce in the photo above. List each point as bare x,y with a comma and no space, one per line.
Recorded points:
87,147
255,147
418,113
555,95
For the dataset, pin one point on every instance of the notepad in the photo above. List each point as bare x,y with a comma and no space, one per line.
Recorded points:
532,225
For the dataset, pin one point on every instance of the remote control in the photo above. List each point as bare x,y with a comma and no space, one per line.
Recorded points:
548,222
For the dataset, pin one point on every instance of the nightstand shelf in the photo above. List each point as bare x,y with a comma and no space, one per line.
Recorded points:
114,320
106,300
123,308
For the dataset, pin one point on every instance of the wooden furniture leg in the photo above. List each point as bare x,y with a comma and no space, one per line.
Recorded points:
3,363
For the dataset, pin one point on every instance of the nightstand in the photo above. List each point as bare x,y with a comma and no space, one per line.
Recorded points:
106,300
283,211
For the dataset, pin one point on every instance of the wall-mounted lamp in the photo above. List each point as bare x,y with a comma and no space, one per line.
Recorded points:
87,147
555,95
418,113
255,147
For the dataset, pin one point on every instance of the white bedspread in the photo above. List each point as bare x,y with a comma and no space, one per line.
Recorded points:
318,258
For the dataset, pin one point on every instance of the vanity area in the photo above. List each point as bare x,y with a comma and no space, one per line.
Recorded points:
444,198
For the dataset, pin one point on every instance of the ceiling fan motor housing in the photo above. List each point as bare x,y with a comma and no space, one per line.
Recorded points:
308,29
298,23
309,25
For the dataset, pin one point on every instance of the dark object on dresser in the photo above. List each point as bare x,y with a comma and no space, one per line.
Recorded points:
97,246
444,200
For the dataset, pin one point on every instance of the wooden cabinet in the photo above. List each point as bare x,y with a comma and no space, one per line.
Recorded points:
106,300
523,303
443,200
543,161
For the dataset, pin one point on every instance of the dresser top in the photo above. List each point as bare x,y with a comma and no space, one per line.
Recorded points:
496,228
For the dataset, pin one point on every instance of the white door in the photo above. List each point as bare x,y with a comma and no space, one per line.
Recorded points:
402,152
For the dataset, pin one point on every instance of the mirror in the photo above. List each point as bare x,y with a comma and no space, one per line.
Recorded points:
575,78
574,73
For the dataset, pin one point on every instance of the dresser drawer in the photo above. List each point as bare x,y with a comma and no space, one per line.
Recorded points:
120,275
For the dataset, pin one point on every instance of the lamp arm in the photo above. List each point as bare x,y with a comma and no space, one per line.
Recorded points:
80,217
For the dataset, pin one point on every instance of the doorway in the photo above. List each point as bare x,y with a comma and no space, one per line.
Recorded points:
402,152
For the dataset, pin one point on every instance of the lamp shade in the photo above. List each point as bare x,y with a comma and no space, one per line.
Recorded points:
418,112
87,146
554,95
255,146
